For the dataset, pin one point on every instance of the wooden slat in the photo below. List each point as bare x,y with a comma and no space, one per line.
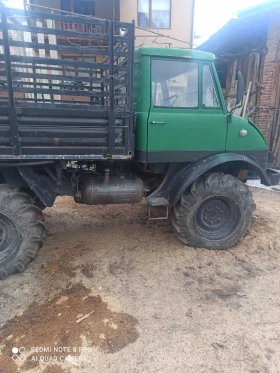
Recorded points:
30,53
66,92
42,54
59,32
62,48
53,53
60,62
62,77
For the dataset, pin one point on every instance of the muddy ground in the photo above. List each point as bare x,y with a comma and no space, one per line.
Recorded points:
109,293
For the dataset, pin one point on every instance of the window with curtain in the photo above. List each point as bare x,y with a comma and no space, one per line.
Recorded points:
154,13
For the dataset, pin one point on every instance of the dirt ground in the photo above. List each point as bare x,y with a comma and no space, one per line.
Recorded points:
109,293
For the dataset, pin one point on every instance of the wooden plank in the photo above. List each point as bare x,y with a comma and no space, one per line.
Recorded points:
59,17
67,92
39,75
66,33
66,48
53,53
247,100
255,78
42,54
37,60
29,53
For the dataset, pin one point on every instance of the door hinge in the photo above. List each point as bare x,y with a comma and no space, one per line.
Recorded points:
229,117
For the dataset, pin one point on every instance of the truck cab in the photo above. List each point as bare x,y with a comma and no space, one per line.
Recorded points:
181,111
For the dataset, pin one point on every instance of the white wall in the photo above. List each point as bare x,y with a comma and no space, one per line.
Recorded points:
181,24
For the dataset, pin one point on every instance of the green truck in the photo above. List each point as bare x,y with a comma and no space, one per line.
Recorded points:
150,122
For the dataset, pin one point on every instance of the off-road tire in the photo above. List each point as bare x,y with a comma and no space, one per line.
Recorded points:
38,203
215,213
35,200
21,231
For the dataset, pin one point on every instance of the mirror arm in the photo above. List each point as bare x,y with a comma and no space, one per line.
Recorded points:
236,107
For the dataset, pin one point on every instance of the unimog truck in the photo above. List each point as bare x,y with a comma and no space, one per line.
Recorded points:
83,114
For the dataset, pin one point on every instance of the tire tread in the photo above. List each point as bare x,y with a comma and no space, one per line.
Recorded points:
216,182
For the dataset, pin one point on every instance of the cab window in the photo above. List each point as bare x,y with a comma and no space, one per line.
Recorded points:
174,84
209,93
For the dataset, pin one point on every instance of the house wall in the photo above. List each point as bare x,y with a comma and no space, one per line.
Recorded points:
181,24
181,20
54,4
103,8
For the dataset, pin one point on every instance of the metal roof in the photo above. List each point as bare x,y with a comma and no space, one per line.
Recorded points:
236,36
262,9
246,33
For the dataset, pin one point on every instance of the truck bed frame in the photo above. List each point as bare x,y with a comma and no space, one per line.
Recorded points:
66,84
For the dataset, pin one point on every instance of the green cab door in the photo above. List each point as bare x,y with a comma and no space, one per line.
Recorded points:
187,119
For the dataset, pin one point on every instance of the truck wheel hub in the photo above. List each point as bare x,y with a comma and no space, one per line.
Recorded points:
216,218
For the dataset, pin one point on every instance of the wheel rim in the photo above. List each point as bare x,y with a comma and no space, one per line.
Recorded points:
216,218
10,238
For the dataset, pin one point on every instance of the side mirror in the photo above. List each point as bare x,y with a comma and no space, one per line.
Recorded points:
240,88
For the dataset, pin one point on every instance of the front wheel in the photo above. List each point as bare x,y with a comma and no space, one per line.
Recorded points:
214,213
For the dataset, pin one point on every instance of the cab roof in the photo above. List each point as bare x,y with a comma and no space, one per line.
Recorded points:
174,52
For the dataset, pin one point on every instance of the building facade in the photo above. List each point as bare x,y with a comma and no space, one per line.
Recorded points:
173,18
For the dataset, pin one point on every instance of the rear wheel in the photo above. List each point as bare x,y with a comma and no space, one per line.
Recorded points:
35,200
21,231
215,213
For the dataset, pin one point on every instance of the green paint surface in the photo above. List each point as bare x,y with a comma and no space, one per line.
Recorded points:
186,129
253,140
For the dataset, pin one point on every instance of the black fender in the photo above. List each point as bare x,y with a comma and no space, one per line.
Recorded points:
180,177
41,185
11,176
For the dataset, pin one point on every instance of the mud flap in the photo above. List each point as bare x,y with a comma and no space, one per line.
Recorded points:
42,186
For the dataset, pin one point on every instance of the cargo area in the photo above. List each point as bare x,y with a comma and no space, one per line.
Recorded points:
66,86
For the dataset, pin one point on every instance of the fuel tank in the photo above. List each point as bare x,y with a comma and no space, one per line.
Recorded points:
117,190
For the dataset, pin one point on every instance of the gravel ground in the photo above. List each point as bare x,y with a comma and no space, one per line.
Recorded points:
109,293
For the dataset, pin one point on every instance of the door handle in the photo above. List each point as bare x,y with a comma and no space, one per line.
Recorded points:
154,122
